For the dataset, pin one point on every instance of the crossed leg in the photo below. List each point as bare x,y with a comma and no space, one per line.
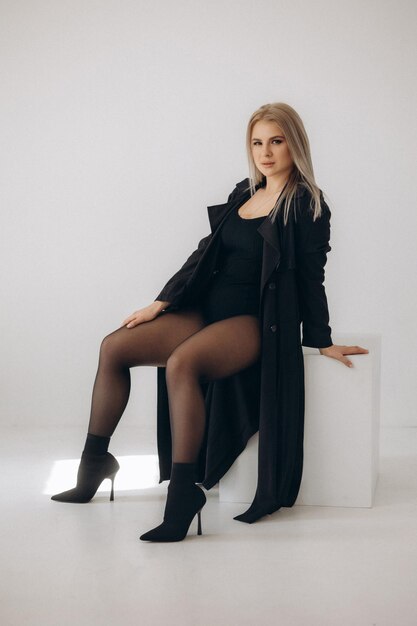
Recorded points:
148,343
219,350
191,350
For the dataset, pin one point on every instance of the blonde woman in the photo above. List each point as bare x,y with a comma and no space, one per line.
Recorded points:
224,335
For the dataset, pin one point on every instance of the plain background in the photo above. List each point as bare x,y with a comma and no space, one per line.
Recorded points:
122,120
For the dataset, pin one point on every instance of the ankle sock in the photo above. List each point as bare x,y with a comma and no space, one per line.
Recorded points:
95,444
183,473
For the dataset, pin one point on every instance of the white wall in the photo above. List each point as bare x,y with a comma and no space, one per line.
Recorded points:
122,120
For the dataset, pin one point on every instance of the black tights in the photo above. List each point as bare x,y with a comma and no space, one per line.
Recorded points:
192,352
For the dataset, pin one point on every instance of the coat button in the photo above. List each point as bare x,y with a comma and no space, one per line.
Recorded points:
272,285
273,327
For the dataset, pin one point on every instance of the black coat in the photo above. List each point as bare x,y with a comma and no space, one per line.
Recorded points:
268,396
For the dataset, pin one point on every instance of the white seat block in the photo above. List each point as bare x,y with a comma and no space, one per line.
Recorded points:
341,431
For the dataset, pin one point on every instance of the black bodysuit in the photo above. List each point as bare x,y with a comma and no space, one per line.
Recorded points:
234,287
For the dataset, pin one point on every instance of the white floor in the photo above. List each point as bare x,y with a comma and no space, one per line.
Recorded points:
83,564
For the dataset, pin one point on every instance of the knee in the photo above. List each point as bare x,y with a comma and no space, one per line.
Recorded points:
179,366
110,348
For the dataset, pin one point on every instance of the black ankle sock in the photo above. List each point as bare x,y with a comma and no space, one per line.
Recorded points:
95,444
183,473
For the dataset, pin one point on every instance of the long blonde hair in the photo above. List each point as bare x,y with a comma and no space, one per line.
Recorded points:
302,174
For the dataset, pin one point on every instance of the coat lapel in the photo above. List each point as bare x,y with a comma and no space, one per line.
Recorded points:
216,212
271,250
268,230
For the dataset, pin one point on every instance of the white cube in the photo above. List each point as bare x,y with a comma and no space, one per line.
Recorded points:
341,431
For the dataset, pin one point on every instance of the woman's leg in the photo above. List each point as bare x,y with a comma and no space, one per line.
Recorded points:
216,351
149,343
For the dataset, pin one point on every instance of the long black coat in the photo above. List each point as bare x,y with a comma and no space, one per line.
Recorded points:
269,395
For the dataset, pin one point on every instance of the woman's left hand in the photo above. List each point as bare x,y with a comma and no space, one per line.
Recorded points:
338,352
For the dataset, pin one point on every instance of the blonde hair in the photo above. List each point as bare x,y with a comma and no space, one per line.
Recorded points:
302,174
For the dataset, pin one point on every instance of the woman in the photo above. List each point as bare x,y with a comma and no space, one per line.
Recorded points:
211,324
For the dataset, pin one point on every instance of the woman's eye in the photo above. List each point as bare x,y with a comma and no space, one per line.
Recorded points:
255,143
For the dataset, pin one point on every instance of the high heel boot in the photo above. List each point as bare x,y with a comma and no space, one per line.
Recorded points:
184,500
93,469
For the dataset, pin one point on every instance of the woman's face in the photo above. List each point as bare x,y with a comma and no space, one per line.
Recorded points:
268,145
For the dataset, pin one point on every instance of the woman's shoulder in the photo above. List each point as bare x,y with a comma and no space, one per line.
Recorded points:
306,202
243,184
239,188
312,230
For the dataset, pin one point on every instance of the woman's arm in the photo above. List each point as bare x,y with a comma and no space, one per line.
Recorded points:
312,247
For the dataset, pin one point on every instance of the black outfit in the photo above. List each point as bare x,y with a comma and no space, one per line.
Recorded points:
234,285
268,396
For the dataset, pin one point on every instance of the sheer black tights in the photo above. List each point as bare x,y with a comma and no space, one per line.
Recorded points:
192,352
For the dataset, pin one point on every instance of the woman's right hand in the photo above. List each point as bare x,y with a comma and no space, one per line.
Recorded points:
146,314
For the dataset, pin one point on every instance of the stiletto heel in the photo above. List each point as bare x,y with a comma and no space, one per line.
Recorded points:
112,477
93,469
199,523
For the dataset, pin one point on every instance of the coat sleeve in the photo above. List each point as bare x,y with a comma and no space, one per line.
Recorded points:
175,286
312,247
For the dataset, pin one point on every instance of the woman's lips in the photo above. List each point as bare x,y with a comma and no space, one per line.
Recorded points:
267,164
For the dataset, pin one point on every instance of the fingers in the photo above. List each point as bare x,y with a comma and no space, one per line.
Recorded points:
355,350
130,317
339,356
133,320
351,350
138,319
339,352
143,315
